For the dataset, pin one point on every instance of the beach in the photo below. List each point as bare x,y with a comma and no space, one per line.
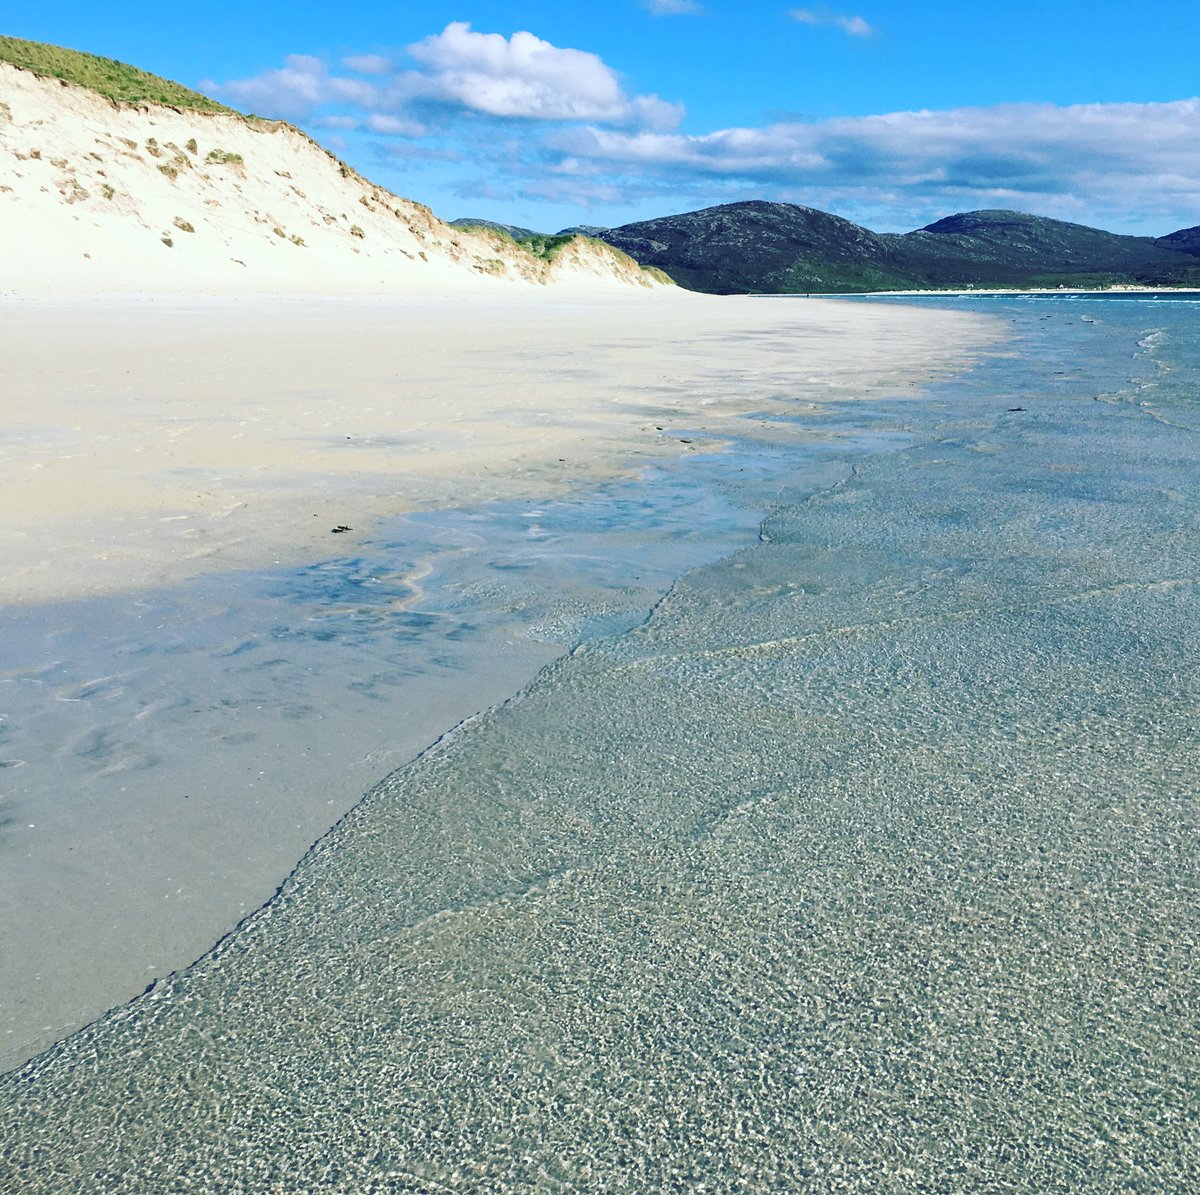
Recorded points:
681,703
859,858
147,441
202,675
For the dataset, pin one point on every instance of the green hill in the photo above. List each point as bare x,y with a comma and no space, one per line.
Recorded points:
763,247
515,231
115,80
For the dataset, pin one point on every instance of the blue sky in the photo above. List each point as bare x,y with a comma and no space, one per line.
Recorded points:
544,113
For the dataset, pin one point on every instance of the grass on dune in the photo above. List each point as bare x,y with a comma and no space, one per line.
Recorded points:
540,245
106,76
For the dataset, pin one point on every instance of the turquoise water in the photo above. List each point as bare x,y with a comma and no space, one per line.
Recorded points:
867,862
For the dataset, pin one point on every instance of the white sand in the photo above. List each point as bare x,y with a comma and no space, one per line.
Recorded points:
142,442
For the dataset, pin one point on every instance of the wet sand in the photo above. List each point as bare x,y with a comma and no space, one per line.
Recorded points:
864,863
146,441
200,676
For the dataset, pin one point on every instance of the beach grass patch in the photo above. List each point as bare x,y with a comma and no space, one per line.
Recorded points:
543,246
106,76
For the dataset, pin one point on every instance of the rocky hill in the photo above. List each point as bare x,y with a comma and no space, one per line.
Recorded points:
781,247
1186,240
1013,247
760,246
101,193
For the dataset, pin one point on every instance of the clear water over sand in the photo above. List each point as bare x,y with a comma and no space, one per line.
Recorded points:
170,756
866,863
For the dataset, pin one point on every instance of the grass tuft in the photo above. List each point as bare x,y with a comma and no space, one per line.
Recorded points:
109,78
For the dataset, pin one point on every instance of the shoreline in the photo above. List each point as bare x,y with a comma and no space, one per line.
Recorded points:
895,793
220,435
172,859
981,293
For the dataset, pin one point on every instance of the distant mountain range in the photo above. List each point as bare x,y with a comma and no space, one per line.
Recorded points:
777,248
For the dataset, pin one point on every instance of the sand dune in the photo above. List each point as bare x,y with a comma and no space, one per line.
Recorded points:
101,197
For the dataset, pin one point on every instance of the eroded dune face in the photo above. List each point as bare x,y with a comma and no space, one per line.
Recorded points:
101,196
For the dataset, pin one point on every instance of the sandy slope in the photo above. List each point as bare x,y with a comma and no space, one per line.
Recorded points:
109,198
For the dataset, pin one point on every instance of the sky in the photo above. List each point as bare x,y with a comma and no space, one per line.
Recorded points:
548,113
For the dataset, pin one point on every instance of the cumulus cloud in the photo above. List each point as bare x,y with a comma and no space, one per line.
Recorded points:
521,77
855,26
297,89
1120,160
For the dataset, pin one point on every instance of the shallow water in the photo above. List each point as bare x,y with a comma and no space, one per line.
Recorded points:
170,756
865,863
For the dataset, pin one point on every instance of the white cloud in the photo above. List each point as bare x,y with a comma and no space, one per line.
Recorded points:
368,64
671,8
652,113
295,90
521,77
1119,161
394,126
855,26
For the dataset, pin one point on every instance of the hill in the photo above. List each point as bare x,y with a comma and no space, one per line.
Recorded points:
1186,240
114,180
1003,248
764,247
515,231
761,246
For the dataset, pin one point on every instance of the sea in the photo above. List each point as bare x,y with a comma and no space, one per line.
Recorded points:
853,848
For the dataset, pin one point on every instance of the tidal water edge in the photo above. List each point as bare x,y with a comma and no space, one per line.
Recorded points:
866,862
170,755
